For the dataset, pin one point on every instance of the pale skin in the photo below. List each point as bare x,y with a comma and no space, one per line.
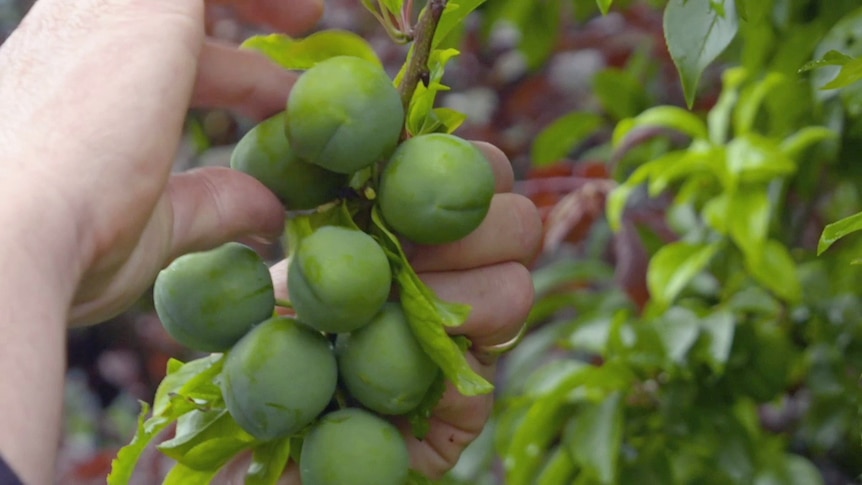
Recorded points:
93,95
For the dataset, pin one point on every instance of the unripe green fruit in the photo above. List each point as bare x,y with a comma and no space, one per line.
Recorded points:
382,364
436,189
338,279
278,378
353,447
265,154
208,300
344,114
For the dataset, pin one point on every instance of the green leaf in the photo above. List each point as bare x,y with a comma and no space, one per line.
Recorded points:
422,103
595,436
182,378
670,117
697,32
604,6
560,137
540,426
455,14
751,100
720,114
754,158
754,11
420,416
664,170
683,163
795,144
299,227
835,231
756,300
268,462
621,94
174,398
831,58
304,53
716,214
674,266
850,73
789,470
550,277
592,333
123,467
429,316
720,326
448,119
543,21
393,6
843,36
678,330
748,213
616,205
206,440
417,478
560,468
441,120
183,475
776,270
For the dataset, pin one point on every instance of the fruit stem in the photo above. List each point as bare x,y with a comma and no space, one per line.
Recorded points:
281,302
340,399
422,45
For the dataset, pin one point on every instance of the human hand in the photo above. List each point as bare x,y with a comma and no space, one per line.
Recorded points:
94,96
98,157
486,270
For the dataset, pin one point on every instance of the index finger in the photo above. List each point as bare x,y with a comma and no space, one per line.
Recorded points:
290,16
503,173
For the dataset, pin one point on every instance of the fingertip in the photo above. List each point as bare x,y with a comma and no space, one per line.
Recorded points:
501,297
503,171
294,17
243,80
215,205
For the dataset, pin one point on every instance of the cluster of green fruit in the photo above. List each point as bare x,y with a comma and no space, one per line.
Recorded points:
348,358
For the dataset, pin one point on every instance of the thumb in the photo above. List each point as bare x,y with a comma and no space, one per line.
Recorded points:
215,205
201,210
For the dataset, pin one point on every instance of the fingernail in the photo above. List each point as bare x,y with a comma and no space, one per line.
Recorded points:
263,239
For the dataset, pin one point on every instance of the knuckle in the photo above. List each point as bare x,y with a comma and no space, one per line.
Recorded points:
521,292
529,227
516,294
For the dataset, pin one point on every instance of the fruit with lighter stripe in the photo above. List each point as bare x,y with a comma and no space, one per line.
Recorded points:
382,364
353,447
208,300
278,378
338,279
265,154
436,189
344,114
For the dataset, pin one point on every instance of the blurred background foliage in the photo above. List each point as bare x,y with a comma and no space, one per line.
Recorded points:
686,330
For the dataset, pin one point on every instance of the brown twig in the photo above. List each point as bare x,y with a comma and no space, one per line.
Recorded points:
417,69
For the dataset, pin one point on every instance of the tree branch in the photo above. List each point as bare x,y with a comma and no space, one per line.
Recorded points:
417,69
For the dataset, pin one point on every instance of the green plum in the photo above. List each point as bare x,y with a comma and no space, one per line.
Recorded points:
382,364
208,300
353,447
265,154
338,279
278,378
436,189
344,114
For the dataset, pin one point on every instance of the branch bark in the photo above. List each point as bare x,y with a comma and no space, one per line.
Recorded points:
417,69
